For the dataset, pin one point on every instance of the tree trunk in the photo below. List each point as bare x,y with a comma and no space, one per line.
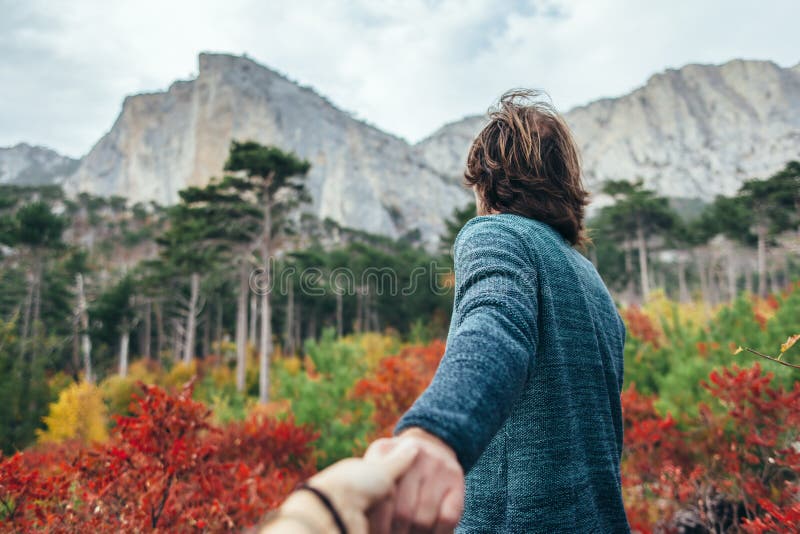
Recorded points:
731,271
217,338
359,307
37,299
265,351
339,314
761,231
713,285
207,331
241,327
86,343
629,284
774,283
703,274
147,342
641,244
76,346
683,291
123,353
159,329
177,340
288,335
251,338
748,279
191,319
298,328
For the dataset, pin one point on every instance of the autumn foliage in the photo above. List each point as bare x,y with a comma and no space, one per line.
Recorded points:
735,466
166,468
397,382
728,462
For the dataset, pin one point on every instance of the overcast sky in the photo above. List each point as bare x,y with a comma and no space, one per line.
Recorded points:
405,66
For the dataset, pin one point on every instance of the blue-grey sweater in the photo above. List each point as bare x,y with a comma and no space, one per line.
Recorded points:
528,391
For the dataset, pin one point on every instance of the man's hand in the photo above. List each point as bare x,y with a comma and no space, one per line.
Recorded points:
429,496
353,485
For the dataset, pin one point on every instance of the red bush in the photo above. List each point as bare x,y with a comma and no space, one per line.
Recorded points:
166,468
735,466
641,327
397,382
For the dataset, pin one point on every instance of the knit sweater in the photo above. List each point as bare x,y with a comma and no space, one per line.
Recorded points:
528,391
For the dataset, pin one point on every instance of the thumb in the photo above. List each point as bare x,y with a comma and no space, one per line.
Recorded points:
399,460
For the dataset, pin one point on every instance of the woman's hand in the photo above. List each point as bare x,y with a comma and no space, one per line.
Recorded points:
353,486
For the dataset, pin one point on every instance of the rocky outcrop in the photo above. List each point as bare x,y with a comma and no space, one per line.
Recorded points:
360,176
24,164
693,132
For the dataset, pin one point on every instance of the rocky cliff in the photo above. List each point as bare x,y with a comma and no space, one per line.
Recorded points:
693,132
34,165
360,176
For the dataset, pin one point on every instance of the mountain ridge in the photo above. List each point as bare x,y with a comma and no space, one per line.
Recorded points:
699,130
694,131
184,132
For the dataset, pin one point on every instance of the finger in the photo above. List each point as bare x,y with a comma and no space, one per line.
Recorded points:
451,509
443,529
432,493
406,502
399,459
380,516
379,448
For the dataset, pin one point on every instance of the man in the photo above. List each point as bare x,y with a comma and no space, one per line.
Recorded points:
526,400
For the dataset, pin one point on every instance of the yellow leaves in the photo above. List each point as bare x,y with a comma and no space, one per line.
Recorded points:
180,374
117,392
291,365
375,346
79,413
789,343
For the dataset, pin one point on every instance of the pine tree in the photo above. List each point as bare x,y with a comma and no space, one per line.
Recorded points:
271,179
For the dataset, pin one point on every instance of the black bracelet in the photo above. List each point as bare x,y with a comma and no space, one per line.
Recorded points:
328,504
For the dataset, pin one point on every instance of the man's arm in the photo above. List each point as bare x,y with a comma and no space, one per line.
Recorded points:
491,347
484,370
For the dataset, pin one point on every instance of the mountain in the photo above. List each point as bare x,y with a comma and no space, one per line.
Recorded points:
693,132
360,176
24,164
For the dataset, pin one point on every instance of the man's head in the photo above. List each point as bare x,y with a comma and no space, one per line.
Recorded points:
526,162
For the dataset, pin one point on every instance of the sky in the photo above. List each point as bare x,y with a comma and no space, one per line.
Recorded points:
407,66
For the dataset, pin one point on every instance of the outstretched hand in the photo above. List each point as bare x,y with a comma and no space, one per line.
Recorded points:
353,485
429,496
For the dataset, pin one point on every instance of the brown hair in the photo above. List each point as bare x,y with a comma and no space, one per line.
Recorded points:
526,162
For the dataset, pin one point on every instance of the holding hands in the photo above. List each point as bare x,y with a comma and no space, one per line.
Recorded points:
429,496
408,484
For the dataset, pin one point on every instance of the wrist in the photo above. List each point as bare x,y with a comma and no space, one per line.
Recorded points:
304,504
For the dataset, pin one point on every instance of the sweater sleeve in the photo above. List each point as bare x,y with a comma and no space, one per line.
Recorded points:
491,344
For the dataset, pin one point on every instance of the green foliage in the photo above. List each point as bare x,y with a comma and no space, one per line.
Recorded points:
36,226
454,224
24,390
321,397
671,348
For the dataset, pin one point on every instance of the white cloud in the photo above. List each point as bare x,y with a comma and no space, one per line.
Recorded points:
406,66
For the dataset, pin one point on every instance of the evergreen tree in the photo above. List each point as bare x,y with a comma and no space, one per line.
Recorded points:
273,180
637,215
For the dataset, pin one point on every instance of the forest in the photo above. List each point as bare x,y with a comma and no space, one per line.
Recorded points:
232,344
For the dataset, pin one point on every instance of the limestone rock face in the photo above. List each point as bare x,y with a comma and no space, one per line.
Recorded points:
360,176
34,165
693,132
